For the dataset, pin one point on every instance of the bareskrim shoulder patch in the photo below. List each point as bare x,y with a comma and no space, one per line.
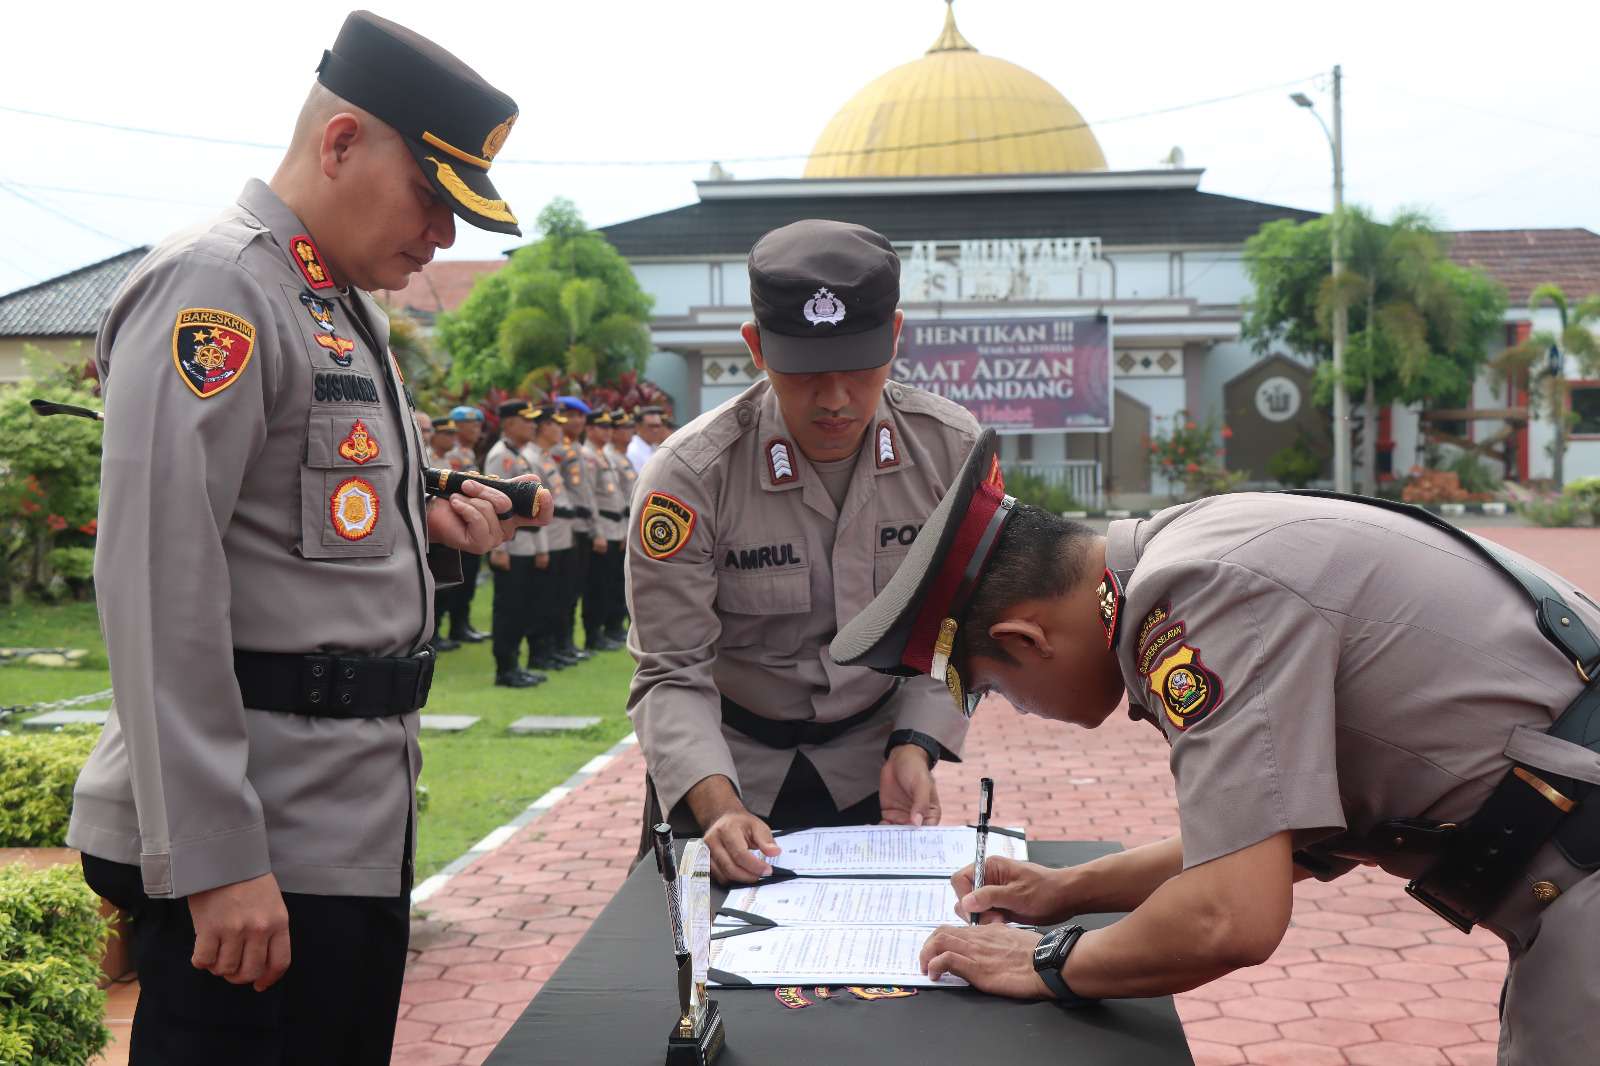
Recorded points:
888,454
1187,689
780,461
211,348
665,525
353,507
309,260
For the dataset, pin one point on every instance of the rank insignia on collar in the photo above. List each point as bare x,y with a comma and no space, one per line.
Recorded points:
320,310
780,461
360,446
791,996
338,347
211,348
354,508
887,455
1109,596
824,307
309,261
1187,688
881,992
665,525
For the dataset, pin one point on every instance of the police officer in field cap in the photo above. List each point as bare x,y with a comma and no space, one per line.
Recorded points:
761,526
1339,679
268,597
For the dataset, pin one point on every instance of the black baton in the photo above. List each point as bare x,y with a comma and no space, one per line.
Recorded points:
524,494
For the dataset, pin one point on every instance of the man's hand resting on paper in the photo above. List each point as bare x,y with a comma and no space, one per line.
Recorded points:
991,958
733,834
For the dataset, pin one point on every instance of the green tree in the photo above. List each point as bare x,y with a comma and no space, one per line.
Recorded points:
420,361
1418,322
49,479
567,305
1576,337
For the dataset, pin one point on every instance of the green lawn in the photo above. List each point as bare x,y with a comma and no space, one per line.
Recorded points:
476,780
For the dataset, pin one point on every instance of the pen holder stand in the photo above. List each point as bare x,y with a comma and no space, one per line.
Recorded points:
698,1038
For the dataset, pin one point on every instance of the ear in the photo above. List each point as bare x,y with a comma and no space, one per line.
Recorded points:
899,323
338,136
752,340
1023,638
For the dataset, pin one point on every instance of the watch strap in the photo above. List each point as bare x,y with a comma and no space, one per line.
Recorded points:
929,746
1050,958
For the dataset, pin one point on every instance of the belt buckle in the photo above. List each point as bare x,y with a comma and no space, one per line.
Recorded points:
1438,906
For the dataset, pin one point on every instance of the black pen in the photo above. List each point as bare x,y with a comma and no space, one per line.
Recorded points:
985,805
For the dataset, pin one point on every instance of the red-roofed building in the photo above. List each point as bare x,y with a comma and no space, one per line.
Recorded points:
442,285
1523,259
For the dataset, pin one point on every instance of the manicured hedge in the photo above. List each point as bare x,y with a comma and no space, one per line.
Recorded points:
37,772
51,940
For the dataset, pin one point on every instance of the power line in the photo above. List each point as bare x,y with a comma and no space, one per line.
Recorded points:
6,187
1469,108
100,192
784,158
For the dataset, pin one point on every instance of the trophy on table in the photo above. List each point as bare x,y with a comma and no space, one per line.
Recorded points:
698,1037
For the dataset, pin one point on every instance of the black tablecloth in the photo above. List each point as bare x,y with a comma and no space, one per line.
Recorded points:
614,1000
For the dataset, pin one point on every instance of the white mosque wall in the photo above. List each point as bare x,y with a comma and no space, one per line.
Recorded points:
677,286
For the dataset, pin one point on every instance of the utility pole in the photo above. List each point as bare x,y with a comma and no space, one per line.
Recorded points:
1341,398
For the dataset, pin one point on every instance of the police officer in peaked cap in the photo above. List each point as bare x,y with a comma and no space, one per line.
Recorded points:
269,596
1340,680
756,530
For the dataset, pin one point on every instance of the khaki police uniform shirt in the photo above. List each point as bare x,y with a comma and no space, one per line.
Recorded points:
271,501
741,570
506,462
627,479
559,533
609,501
459,458
568,456
1320,666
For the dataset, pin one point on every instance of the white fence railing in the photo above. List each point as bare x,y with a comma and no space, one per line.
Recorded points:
1079,476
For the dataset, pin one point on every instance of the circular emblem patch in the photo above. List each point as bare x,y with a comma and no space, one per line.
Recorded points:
354,509
665,525
824,306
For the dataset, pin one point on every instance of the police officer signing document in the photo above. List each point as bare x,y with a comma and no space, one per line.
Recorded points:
264,577
761,527
1340,680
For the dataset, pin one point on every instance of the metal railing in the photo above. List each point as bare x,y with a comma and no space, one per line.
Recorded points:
1081,477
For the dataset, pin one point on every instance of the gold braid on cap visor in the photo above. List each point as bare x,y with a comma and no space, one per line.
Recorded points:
495,209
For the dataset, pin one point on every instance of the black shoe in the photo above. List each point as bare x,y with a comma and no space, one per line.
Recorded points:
576,654
445,644
600,642
534,676
618,634
514,679
469,636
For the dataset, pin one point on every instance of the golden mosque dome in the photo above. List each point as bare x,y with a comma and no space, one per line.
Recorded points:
954,94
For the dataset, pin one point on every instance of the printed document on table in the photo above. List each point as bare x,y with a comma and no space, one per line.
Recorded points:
825,955
900,901
888,850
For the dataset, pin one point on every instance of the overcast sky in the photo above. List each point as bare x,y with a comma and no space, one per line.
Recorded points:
1484,112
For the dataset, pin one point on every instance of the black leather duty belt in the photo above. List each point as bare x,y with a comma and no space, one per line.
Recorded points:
333,686
794,733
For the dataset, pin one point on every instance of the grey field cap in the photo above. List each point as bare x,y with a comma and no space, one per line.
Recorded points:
824,294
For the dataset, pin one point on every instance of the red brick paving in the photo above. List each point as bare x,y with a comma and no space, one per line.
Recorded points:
1364,977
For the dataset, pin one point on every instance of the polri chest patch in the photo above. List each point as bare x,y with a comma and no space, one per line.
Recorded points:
1185,687
897,536
211,349
665,525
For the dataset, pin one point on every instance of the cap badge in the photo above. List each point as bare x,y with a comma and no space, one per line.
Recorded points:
779,463
360,447
497,138
353,508
824,307
887,456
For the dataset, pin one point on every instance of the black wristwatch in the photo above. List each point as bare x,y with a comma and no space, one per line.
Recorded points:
911,736
1050,955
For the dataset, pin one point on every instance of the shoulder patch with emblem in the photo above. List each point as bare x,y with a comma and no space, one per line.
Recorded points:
1186,688
881,991
1109,596
211,348
1163,640
309,260
353,508
665,525
359,445
887,453
780,461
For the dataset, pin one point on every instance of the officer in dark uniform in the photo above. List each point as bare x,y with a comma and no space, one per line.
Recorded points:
466,455
551,628
515,564
586,541
1339,679
267,599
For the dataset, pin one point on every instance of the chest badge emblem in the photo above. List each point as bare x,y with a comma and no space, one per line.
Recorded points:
337,347
824,306
353,508
360,446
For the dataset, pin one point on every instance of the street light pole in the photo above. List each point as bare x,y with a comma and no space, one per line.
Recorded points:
1341,399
